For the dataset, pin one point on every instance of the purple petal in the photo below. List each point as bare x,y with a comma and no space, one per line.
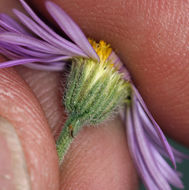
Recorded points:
145,150
134,149
57,62
168,173
36,29
49,30
7,27
28,53
12,23
8,54
55,59
16,62
71,29
148,126
156,127
13,49
24,52
30,42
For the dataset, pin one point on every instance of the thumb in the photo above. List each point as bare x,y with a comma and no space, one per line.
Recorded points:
28,156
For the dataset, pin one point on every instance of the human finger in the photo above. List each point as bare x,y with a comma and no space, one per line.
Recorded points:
28,154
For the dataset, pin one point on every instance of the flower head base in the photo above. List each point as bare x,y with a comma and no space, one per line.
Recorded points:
95,90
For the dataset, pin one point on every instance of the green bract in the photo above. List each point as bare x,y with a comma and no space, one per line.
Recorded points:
94,91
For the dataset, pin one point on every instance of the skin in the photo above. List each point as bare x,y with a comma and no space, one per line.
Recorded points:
151,39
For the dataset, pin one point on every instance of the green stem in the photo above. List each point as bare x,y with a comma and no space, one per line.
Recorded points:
71,128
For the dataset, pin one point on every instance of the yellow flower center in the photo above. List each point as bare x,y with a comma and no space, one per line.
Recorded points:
102,49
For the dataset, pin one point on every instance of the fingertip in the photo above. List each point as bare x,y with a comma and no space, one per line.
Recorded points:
99,159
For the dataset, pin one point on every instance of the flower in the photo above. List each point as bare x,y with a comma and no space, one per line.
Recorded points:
41,48
95,89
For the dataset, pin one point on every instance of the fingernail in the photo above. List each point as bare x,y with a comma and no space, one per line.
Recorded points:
13,168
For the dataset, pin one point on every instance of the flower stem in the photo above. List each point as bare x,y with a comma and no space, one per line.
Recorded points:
71,128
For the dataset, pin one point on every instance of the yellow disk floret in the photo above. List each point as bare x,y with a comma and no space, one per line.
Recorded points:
102,49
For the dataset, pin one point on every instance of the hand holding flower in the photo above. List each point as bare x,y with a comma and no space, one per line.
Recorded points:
131,46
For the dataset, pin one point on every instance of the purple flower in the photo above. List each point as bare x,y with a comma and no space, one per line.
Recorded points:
41,48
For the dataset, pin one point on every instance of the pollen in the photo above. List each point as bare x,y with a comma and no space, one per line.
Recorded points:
102,49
